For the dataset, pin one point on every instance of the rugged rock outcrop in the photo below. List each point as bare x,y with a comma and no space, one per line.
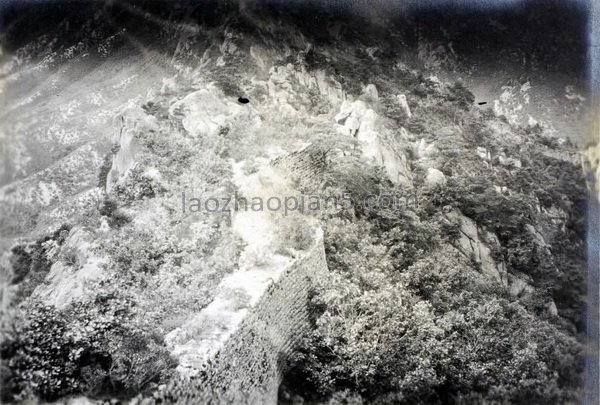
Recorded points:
358,120
204,112
76,277
478,245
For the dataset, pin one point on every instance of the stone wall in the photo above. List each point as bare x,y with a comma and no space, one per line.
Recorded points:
248,368
305,166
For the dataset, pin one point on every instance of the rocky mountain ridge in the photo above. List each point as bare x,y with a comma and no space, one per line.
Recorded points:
96,237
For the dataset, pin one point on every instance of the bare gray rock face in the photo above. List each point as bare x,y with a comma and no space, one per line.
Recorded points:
477,244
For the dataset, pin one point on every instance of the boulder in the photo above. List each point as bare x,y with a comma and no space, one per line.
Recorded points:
351,116
124,159
446,132
502,190
370,91
404,105
508,161
426,150
205,111
483,153
551,308
519,284
434,177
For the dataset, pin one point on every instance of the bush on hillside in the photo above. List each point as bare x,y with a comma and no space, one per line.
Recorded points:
135,251
91,349
441,335
31,263
294,232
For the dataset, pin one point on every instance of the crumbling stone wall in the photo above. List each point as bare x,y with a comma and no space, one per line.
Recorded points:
248,370
305,166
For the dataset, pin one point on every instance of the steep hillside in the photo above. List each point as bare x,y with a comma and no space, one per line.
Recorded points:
452,231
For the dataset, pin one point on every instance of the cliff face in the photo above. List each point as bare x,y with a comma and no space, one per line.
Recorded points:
107,201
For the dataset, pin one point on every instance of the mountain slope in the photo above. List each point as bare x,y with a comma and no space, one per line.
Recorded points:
448,277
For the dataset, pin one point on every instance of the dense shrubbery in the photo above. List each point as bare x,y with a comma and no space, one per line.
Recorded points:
37,359
92,349
135,186
136,251
294,232
436,333
459,95
404,318
115,217
537,186
31,263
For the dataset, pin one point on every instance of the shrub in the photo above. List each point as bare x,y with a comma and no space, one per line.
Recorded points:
460,95
136,186
31,262
110,209
443,336
38,360
135,251
21,261
294,232
403,318
92,349
159,110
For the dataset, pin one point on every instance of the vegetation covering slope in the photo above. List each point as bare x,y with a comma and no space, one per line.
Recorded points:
411,313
